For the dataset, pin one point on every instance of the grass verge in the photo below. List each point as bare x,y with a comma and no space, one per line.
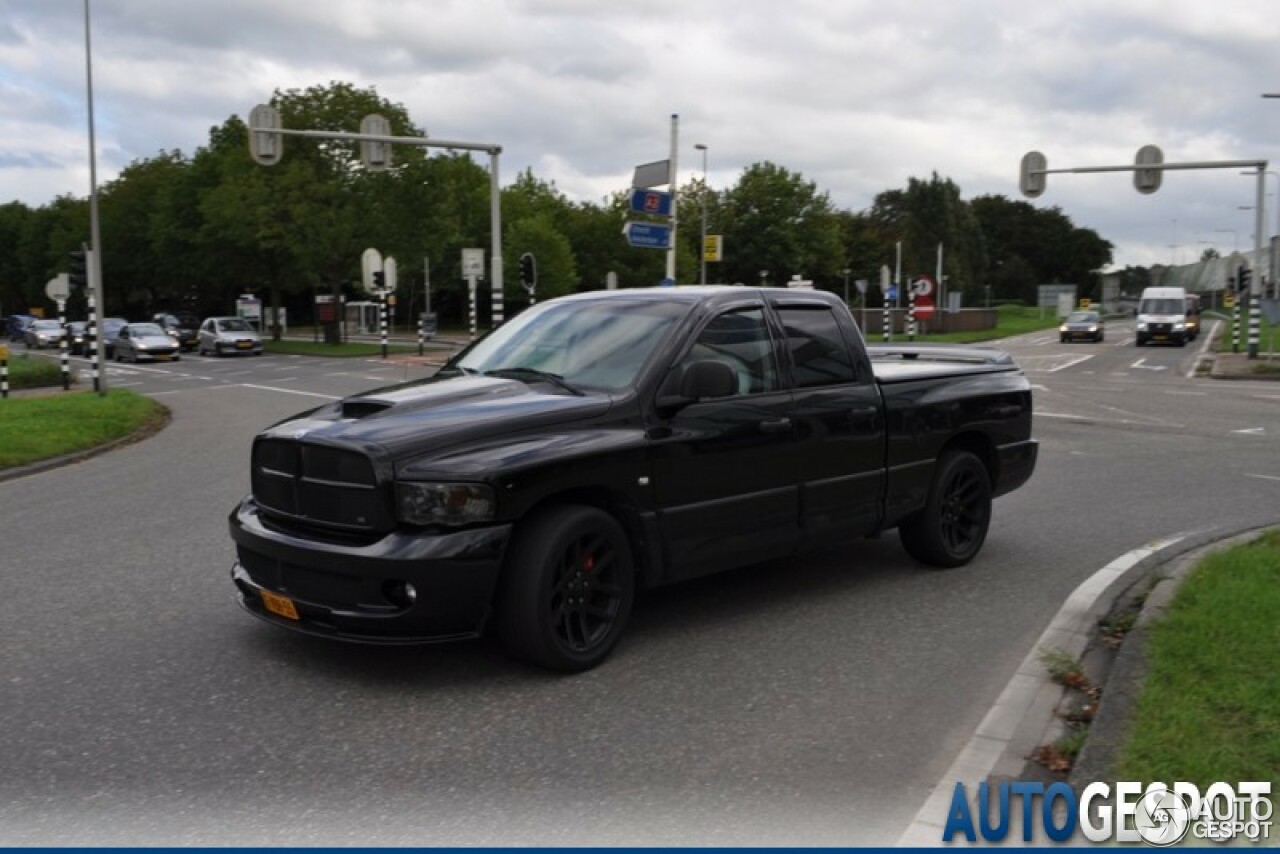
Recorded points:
39,428
1208,708
1012,320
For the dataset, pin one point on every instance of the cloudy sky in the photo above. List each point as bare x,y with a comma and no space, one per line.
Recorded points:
856,96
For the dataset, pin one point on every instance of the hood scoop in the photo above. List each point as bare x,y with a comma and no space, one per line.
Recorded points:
357,408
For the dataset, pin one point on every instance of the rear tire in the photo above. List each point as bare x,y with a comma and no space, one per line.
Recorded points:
952,526
567,590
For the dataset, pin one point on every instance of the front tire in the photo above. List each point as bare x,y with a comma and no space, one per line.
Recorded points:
567,590
952,526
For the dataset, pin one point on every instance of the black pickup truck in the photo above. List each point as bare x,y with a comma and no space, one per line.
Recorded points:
615,440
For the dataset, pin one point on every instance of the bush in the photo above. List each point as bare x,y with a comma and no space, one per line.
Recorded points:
27,371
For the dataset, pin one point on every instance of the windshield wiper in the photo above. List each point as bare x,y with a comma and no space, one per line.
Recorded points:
535,374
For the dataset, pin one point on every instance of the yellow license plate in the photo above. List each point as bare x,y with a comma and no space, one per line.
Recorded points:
243,345
280,605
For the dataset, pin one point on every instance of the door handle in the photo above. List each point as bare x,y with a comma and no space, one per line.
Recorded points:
781,425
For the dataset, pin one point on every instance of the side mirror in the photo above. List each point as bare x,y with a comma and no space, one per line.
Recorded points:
699,380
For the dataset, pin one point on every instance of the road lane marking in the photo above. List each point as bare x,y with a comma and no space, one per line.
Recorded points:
1252,431
1263,476
1141,364
282,390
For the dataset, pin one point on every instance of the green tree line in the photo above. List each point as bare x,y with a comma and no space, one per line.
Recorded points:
192,232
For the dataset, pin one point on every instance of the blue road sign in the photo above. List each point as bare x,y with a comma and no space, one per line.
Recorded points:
892,294
649,235
654,202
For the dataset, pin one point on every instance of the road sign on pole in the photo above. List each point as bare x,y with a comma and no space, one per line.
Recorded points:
473,263
655,174
58,288
648,235
655,202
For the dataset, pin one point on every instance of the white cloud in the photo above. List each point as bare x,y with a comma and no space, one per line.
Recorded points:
856,96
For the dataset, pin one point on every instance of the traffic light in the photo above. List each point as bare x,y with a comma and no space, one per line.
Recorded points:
1242,279
379,280
79,275
528,270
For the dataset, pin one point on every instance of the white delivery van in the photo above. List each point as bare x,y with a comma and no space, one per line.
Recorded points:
1162,316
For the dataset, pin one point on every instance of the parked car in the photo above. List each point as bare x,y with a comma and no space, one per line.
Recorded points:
41,334
223,336
111,327
184,328
1082,326
137,341
18,326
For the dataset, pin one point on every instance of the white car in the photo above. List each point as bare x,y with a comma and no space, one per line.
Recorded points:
223,336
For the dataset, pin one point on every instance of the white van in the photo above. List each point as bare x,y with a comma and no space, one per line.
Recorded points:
1162,316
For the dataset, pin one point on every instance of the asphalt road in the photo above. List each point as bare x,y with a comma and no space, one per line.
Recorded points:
814,701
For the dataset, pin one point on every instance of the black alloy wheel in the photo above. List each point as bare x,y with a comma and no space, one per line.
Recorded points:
568,588
951,528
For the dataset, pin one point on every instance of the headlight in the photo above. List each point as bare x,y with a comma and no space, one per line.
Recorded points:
1178,326
1062,328
444,503
1142,327
140,345
1093,329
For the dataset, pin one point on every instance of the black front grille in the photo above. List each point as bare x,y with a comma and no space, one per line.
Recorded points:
1161,328
318,485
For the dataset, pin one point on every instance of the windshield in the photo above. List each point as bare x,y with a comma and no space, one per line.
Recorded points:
1171,305
145,329
234,324
594,344
1082,317
45,324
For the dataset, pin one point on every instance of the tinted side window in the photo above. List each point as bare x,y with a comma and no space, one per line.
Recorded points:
819,353
740,339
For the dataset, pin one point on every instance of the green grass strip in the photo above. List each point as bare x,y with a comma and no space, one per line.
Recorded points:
1210,705
39,428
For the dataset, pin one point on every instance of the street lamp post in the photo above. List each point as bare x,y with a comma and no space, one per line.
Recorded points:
703,251
846,272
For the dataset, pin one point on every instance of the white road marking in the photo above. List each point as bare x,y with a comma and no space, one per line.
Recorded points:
1263,476
1146,367
1251,431
281,390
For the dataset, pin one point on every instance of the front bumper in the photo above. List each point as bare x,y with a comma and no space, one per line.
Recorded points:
340,591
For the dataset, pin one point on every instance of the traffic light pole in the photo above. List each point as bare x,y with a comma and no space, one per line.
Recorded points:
494,151
1147,180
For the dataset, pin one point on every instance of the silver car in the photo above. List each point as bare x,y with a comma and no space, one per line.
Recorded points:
224,336
137,341
43,333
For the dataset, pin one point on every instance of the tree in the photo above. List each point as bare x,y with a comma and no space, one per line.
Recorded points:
775,220
929,214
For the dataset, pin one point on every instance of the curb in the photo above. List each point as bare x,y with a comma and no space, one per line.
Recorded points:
1024,716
